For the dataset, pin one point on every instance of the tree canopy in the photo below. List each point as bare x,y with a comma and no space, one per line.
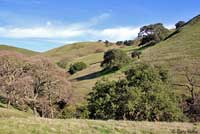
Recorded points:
115,59
145,94
154,32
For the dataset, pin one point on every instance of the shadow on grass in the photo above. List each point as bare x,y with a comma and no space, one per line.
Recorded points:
97,74
3,101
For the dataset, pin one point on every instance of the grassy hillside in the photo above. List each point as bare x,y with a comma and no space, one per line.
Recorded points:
76,50
83,81
90,53
179,51
74,126
12,112
183,45
19,50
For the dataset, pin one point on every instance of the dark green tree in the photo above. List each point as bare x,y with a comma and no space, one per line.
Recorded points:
78,66
150,97
180,24
101,100
144,95
115,59
136,54
153,32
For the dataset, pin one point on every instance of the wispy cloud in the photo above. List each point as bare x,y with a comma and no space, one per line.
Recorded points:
76,31
170,26
113,34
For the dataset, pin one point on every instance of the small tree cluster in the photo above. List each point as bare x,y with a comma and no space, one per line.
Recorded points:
136,54
154,32
63,63
126,43
115,59
78,66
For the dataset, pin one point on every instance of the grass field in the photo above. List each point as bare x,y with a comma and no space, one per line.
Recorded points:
13,121
33,125
76,50
19,50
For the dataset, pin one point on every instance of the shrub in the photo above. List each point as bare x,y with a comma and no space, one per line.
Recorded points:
101,100
62,63
78,66
74,111
67,113
136,54
115,59
150,97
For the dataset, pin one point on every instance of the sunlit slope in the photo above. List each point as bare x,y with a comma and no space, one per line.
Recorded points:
31,125
19,50
76,50
178,51
185,44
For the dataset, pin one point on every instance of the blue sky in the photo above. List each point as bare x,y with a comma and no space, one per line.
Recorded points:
44,24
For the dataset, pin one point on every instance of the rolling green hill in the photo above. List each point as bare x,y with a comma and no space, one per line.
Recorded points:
179,51
19,50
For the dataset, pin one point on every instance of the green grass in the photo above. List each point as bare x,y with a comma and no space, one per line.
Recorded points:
19,50
75,126
11,112
76,50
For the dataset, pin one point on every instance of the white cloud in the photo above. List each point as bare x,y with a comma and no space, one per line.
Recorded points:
121,33
77,31
112,34
39,32
170,26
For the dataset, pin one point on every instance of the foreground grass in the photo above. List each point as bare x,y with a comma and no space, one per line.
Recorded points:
74,126
13,121
7,113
